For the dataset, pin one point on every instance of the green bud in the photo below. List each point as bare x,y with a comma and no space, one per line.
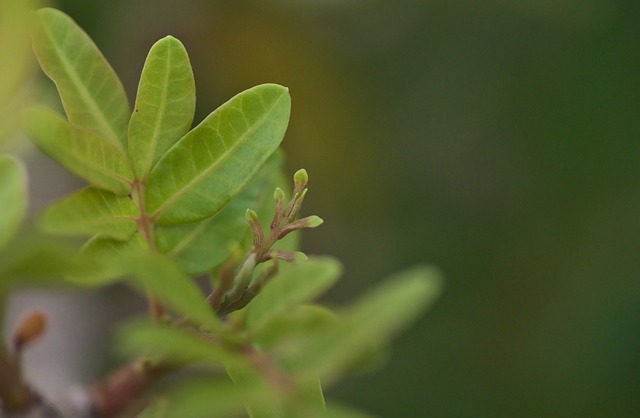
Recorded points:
251,216
278,195
300,180
312,221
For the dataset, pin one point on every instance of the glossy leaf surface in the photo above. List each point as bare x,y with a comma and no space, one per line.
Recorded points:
13,198
164,106
92,211
198,176
91,92
98,161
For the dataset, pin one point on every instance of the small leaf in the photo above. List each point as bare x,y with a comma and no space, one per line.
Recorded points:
13,198
35,260
201,246
198,176
109,260
163,279
80,151
295,285
178,347
371,321
91,93
214,398
92,211
165,104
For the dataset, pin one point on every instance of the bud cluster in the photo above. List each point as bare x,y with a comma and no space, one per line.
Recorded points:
236,287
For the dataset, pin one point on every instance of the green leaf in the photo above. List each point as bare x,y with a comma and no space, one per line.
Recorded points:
199,247
109,260
80,151
213,398
164,279
296,284
372,321
92,211
198,176
91,92
13,198
178,346
165,104
36,260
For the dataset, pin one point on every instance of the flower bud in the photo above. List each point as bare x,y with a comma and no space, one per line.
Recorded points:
300,180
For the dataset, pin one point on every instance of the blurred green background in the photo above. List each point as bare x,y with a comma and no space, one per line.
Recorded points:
496,139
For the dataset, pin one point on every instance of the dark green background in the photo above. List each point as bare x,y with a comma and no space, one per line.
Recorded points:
496,139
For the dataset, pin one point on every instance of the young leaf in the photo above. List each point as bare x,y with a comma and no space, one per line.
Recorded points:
109,260
199,175
80,151
373,319
199,247
165,104
13,198
35,260
178,347
214,398
91,92
296,284
163,279
92,211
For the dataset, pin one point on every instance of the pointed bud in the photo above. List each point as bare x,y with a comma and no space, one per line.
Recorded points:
293,257
296,205
300,180
278,196
256,228
30,329
312,221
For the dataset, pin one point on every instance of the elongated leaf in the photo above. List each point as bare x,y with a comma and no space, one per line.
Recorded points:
109,260
297,284
164,106
80,151
199,175
178,347
13,197
213,398
162,278
92,211
199,247
372,321
35,260
91,92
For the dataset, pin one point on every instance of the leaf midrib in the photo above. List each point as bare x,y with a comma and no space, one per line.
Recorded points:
84,92
196,180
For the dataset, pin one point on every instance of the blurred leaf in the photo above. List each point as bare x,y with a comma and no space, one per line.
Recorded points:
212,163
15,64
201,246
165,104
13,197
105,255
164,279
371,321
296,284
289,330
91,92
80,151
213,398
92,211
178,346
32,259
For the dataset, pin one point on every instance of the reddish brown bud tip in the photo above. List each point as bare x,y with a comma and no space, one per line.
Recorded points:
30,328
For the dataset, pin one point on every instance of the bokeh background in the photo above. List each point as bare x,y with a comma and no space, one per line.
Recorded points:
498,140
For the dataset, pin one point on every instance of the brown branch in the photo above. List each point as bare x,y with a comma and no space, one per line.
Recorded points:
15,394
